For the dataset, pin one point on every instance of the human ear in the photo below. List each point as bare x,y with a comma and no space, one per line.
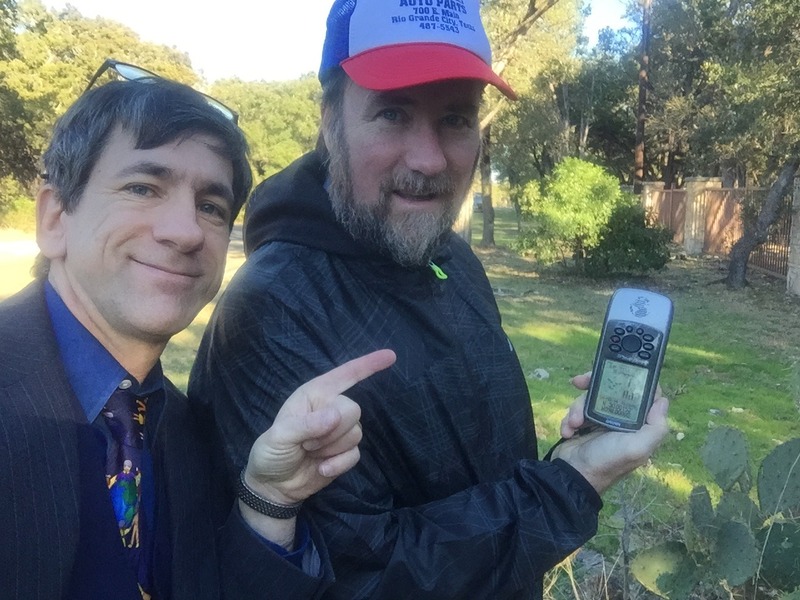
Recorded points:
50,234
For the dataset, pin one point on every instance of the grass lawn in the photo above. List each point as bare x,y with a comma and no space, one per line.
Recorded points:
733,359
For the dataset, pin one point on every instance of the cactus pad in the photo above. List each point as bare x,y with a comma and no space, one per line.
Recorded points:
781,563
725,455
736,556
779,479
666,570
736,506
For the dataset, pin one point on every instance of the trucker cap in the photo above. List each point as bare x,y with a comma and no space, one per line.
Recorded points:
391,44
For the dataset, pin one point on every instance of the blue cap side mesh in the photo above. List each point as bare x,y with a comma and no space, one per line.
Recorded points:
337,38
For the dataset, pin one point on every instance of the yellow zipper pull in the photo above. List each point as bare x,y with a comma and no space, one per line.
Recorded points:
437,270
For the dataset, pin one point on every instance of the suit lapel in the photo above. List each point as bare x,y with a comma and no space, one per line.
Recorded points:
40,493
186,535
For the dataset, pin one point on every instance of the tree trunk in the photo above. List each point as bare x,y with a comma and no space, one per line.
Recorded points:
587,117
641,110
728,173
669,170
486,188
755,233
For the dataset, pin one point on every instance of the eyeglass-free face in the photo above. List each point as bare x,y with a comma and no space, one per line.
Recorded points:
145,248
134,73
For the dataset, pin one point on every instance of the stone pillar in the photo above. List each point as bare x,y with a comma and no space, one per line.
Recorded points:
793,274
694,226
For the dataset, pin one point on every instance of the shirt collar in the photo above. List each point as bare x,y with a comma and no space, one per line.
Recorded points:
91,370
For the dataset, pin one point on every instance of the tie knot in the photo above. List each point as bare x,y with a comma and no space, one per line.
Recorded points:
125,414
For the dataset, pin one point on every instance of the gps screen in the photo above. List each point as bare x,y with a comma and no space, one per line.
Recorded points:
621,389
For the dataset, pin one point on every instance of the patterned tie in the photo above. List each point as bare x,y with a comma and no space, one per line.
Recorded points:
124,414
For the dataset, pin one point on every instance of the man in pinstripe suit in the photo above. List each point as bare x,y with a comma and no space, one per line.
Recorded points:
143,182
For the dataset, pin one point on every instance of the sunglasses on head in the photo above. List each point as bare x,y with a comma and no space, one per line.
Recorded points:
134,73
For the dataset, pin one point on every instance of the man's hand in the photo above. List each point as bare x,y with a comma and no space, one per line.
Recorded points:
603,456
315,435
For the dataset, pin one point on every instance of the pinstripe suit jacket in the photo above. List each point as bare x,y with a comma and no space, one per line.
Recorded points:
58,536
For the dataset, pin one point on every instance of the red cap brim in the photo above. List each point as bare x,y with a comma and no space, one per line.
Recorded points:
407,65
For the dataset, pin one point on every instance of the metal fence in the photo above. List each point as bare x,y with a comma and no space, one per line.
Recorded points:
773,255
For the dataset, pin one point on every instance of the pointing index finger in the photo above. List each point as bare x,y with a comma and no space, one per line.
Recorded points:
350,373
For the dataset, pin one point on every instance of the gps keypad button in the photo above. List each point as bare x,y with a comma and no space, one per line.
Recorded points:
631,343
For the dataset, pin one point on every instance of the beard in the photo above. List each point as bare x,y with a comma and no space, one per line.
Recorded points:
411,239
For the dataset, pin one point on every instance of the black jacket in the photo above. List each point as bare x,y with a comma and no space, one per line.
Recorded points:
59,535
448,500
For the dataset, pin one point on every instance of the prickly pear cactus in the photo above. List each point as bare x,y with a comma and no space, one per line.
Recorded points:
700,509
781,563
735,556
736,506
725,455
779,479
699,524
666,570
720,542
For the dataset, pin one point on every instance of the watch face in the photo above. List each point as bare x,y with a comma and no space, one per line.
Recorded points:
621,391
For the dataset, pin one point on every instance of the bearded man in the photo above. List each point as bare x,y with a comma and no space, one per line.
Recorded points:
350,250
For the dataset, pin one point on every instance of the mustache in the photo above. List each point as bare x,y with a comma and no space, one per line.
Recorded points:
417,184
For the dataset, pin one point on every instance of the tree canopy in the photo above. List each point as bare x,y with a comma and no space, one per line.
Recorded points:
58,52
16,154
724,95
47,57
280,119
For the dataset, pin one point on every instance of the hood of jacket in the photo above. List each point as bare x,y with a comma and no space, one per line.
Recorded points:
293,206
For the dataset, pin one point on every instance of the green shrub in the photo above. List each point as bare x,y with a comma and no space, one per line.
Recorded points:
574,204
628,245
527,198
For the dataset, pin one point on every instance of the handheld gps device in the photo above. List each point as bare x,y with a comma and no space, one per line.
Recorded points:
628,360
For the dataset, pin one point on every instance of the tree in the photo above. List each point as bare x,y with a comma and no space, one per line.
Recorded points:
641,105
607,81
57,53
583,107
280,119
16,155
8,21
727,99
512,25
769,26
755,231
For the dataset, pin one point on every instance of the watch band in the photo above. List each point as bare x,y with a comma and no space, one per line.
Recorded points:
262,505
